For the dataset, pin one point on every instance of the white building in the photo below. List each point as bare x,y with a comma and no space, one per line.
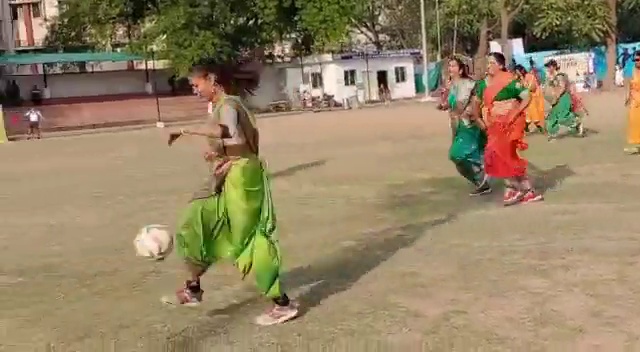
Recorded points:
28,20
348,75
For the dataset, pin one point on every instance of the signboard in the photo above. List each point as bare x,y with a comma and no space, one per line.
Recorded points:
576,66
517,47
377,54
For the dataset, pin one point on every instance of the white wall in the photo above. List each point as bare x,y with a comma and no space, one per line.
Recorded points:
92,84
334,84
272,87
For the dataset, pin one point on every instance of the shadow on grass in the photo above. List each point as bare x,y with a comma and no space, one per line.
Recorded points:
569,134
290,171
546,180
336,274
442,199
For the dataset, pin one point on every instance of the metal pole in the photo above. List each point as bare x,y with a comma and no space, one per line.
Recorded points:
159,123
439,56
366,63
455,34
425,56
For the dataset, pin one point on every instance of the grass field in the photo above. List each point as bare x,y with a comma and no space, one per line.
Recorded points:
382,245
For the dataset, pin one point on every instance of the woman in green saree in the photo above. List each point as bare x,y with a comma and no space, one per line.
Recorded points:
467,147
563,103
232,216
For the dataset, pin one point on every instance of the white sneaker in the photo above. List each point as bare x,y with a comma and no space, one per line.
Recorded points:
278,315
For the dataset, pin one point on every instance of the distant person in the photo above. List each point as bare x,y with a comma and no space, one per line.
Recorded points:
13,92
567,108
535,110
385,94
34,118
626,64
533,69
172,84
619,78
36,95
633,102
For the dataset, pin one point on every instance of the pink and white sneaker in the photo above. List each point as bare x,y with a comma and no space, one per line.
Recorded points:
512,197
532,196
278,314
184,297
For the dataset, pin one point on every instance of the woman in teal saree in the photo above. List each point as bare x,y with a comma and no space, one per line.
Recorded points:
467,147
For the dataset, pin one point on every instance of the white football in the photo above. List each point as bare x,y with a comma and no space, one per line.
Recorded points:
153,241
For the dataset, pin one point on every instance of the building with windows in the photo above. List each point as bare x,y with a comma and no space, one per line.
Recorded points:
354,74
29,22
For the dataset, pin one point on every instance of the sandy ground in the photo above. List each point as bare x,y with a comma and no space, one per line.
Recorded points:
382,245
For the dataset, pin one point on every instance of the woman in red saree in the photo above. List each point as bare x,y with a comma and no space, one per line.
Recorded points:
504,101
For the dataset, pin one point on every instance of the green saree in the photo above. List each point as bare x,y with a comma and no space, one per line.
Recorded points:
467,148
236,221
561,114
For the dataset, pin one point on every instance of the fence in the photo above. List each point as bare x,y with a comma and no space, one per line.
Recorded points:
115,112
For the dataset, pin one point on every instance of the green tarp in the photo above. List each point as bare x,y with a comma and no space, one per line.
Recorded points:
38,58
435,77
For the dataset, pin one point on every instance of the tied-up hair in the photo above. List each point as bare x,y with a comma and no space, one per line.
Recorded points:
500,60
237,78
463,67
520,69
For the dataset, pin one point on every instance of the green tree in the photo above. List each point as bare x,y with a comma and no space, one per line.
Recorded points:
97,24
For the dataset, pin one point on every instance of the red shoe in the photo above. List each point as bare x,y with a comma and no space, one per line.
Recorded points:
512,197
532,196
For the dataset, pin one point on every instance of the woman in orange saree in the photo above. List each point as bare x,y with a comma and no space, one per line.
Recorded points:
504,101
535,110
633,102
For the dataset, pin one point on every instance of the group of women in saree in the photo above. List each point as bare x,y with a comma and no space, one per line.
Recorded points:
488,120
232,216
566,110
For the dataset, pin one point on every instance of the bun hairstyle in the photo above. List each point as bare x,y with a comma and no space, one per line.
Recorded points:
500,60
520,69
464,68
236,78
552,63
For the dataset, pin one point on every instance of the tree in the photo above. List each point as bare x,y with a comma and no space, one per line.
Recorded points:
612,43
508,9
97,24
193,31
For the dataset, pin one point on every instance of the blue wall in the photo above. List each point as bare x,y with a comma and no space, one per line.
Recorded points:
625,53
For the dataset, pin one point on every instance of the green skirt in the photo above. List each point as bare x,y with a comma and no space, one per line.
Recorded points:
561,114
238,223
468,144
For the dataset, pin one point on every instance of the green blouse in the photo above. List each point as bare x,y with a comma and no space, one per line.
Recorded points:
513,90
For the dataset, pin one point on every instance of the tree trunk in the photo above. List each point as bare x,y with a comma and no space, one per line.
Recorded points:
480,62
612,52
504,33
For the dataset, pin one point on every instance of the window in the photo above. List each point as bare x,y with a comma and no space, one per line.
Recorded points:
349,77
316,79
35,10
14,12
401,74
